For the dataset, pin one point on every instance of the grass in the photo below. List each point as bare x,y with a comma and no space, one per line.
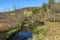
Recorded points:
49,31
7,34
38,33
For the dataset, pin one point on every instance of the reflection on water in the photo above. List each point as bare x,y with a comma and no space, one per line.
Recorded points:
23,35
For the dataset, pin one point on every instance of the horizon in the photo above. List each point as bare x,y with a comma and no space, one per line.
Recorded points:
7,5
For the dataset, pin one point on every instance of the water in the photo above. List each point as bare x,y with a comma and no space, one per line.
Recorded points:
23,35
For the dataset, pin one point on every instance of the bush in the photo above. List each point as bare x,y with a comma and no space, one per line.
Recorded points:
39,32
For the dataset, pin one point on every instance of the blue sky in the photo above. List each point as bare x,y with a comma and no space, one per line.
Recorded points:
8,4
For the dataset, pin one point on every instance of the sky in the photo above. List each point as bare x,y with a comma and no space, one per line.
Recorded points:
6,5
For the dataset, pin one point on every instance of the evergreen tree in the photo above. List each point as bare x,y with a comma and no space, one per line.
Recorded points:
44,6
51,2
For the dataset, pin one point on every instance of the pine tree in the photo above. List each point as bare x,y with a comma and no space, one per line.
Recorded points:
51,2
44,6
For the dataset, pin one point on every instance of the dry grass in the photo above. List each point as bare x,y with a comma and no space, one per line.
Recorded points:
52,32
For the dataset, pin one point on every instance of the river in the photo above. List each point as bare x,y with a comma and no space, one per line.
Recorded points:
22,35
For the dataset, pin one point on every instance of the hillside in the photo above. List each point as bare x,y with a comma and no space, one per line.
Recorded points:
42,21
13,18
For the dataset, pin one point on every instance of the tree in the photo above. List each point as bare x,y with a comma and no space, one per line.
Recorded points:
35,11
44,6
51,2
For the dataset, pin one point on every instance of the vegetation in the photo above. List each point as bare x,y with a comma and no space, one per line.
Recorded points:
43,22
